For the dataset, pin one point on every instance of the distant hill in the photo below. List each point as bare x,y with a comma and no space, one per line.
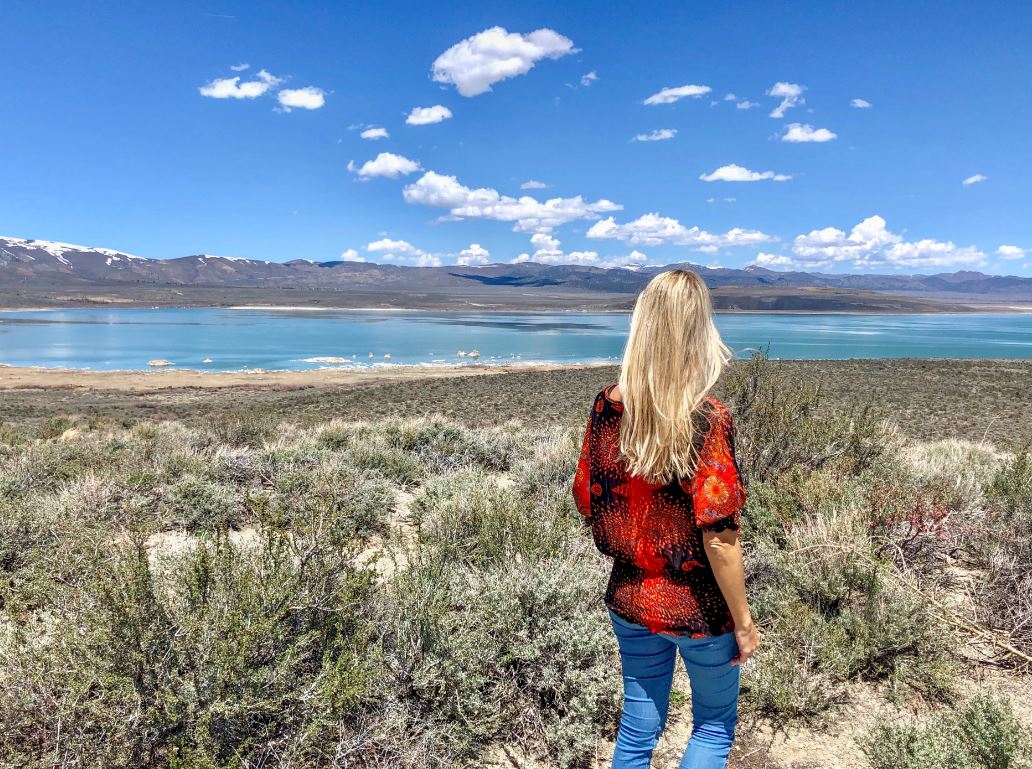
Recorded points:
50,273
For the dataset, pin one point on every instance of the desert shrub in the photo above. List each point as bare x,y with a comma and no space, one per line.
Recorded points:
347,504
470,517
549,461
1003,547
517,653
984,734
225,656
243,429
833,612
377,455
956,470
196,504
781,425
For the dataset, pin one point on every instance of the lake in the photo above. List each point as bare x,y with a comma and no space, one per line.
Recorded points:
234,339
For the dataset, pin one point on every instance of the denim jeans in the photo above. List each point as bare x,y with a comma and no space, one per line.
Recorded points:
648,661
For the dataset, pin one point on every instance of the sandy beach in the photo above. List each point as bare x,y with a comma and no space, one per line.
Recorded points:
18,378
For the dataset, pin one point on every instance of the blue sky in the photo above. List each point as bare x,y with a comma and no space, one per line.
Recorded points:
108,138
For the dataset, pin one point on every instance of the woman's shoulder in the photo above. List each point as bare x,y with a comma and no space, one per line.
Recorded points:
609,397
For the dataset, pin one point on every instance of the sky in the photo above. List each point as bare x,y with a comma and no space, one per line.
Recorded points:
840,137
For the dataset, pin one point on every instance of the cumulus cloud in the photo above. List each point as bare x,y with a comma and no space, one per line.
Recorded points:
588,79
533,184
871,244
670,95
656,230
473,255
547,250
308,97
428,115
385,164
374,132
403,251
746,104
528,214
478,62
351,255
860,103
974,180
235,88
240,67
772,260
658,135
1011,252
736,173
791,94
799,132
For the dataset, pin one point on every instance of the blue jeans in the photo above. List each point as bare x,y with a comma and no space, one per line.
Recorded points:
648,670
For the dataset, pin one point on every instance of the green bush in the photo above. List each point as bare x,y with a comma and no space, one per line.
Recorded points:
223,656
196,504
781,425
981,735
519,653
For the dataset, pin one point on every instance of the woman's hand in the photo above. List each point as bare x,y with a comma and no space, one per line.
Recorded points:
748,639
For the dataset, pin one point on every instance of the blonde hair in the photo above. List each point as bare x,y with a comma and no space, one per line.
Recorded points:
674,356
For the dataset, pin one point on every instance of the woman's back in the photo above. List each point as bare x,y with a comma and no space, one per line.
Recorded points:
661,578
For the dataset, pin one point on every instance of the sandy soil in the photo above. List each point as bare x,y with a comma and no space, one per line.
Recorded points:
16,378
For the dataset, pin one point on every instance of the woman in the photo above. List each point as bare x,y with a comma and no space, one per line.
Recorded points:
658,483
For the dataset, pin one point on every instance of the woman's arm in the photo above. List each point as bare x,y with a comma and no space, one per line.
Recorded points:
724,552
718,496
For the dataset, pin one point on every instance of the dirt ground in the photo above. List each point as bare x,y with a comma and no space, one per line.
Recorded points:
973,399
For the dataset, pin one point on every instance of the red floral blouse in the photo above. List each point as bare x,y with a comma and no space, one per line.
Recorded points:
661,578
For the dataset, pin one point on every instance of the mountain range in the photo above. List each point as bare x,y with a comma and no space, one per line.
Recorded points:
39,272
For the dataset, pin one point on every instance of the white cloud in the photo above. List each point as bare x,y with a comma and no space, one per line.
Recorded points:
533,184
428,115
799,132
860,103
233,88
527,213
658,135
871,244
773,260
656,230
547,250
974,179
1011,252
472,255
351,255
403,251
373,133
746,104
385,164
308,97
670,95
588,79
730,97
240,67
736,173
480,61
791,94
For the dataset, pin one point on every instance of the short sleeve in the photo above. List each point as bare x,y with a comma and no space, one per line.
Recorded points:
716,488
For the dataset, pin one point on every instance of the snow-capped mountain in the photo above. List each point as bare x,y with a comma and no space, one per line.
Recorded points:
27,262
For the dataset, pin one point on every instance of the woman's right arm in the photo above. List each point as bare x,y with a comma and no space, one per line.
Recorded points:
724,552
718,496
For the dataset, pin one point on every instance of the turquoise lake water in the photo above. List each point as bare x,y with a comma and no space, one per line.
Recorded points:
126,339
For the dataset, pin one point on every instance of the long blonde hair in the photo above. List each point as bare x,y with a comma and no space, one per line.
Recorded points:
674,356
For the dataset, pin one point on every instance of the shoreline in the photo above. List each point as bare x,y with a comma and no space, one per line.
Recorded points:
38,377
963,309
31,377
